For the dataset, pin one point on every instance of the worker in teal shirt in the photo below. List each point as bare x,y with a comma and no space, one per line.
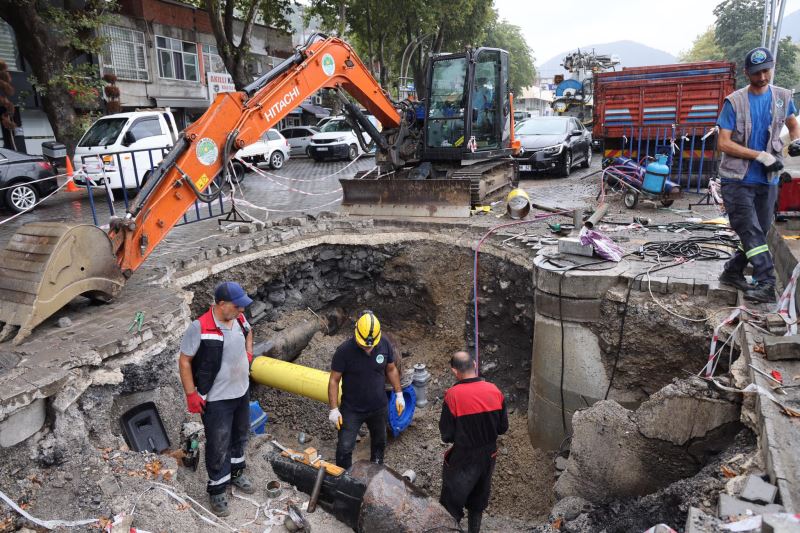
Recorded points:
752,157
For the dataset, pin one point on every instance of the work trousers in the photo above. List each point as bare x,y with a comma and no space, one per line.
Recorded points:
351,423
467,481
226,423
751,209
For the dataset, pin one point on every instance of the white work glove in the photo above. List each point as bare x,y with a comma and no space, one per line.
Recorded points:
335,418
400,403
771,164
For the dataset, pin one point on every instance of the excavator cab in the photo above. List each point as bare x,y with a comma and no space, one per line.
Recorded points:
468,106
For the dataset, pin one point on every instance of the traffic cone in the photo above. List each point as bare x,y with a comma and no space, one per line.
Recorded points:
71,187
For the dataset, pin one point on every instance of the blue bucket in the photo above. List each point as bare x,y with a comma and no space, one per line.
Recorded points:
258,419
399,423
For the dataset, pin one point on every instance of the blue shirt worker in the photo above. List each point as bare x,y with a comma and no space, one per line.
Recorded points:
750,141
362,364
473,415
214,365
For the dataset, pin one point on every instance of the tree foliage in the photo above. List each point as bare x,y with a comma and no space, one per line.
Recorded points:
56,43
233,46
503,34
704,48
738,30
384,32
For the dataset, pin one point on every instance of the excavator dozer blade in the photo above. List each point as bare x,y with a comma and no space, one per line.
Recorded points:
405,197
47,264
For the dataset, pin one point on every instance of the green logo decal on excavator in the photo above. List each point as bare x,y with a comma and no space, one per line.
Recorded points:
328,65
207,151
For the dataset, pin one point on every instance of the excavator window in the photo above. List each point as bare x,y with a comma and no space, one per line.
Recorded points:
487,100
447,103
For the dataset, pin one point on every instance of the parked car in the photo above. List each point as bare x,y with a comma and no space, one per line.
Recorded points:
519,116
337,140
19,172
299,137
124,148
272,148
553,143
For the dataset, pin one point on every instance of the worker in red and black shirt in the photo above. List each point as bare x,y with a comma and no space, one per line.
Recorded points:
473,415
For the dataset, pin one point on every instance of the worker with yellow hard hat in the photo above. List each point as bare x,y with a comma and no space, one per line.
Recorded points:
363,364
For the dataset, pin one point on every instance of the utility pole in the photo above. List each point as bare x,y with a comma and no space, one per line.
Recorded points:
771,30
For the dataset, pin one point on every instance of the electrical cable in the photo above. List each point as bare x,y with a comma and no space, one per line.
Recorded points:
693,248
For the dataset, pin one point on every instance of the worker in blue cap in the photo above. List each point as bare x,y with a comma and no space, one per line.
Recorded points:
752,158
214,365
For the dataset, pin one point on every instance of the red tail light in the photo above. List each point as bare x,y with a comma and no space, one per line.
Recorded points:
45,165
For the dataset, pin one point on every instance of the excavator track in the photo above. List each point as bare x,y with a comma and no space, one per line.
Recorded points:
452,197
47,264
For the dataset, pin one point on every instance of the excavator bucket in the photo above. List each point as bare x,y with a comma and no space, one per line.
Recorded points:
452,196
403,197
47,264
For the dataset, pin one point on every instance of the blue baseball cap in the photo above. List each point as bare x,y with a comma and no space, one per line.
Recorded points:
758,59
230,291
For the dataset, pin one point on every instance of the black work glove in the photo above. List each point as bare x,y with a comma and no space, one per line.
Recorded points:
770,162
794,148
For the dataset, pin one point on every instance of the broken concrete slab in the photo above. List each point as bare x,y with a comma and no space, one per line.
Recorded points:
778,348
22,423
699,522
757,490
569,508
665,439
691,409
729,507
780,523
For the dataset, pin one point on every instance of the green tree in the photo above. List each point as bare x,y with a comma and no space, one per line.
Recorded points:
704,48
56,42
503,34
234,49
738,30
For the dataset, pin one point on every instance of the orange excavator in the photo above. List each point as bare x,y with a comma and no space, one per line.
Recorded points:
437,156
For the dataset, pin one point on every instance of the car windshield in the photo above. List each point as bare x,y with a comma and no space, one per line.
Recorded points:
336,125
103,132
543,127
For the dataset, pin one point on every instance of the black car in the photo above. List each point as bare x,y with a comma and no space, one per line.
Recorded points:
553,143
19,188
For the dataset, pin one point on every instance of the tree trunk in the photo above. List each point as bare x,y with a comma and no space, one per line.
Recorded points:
369,40
234,56
342,15
382,58
47,58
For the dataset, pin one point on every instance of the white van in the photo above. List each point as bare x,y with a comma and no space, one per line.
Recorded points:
124,148
337,140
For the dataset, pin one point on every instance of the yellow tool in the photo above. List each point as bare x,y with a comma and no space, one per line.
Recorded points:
310,457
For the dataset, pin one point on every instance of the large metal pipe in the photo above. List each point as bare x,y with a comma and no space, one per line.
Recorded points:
369,498
597,216
291,342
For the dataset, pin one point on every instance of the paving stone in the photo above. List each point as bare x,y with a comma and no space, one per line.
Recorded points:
757,490
780,523
778,347
730,506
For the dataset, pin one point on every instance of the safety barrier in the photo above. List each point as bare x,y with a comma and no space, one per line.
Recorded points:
125,172
692,151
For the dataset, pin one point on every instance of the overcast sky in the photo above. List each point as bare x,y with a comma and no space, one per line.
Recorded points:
552,27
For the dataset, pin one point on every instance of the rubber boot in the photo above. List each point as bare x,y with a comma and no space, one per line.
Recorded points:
376,456
474,522
762,293
735,279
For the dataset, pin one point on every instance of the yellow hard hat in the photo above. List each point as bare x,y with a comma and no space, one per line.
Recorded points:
368,330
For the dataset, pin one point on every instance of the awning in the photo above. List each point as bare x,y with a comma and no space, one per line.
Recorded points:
193,103
317,111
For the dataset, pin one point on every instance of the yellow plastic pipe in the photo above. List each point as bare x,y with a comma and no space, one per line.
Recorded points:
289,377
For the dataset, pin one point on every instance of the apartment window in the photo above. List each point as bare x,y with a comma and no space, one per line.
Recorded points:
177,60
212,62
8,47
124,54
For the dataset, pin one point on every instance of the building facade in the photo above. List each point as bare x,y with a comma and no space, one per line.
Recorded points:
163,53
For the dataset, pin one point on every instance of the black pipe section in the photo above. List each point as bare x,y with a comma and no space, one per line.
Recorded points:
283,66
355,113
312,502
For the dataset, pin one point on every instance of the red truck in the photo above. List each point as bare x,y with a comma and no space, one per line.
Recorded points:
659,104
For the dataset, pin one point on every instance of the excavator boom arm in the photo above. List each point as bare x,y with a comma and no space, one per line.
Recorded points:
233,121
